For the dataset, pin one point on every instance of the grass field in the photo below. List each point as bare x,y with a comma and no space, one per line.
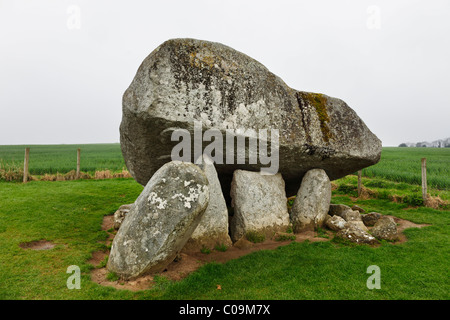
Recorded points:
63,158
396,164
69,213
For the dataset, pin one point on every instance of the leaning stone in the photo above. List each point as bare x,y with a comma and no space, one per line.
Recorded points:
385,229
213,227
120,214
312,203
338,209
356,235
187,80
259,203
371,218
160,222
335,223
358,208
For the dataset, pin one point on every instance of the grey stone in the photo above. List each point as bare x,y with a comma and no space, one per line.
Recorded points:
120,214
385,229
161,221
213,227
355,234
335,223
184,80
371,218
357,223
260,204
350,215
312,203
337,209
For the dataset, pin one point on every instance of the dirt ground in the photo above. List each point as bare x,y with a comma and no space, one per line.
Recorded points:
190,262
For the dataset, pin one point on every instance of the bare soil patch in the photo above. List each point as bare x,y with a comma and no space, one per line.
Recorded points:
191,261
37,245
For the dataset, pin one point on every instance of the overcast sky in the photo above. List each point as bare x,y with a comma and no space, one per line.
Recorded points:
64,65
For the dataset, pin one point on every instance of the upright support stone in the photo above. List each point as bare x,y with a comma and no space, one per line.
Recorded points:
312,203
259,203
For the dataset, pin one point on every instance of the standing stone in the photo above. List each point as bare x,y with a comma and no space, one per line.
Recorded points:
187,80
312,203
213,227
385,229
161,221
260,204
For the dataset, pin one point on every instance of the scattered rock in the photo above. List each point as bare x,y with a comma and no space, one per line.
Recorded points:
358,208
259,203
161,221
357,223
371,218
338,209
187,80
354,234
385,229
120,214
335,223
213,227
243,244
312,203
351,215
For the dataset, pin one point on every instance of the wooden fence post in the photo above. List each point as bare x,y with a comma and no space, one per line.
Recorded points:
25,165
424,180
359,183
78,163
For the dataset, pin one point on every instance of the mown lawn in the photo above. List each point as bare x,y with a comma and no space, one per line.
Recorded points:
69,213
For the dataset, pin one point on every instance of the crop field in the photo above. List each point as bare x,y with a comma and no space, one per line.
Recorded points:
51,159
404,165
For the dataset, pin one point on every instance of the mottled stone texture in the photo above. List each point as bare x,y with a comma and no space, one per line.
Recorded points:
186,79
161,221
259,203
312,203
213,227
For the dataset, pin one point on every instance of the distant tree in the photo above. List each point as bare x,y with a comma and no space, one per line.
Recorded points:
402,145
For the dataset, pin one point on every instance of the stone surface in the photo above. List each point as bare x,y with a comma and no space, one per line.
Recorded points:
385,229
161,221
357,223
120,214
213,227
350,215
186,79
312,203
358,208
371,218
355,234
337,209
259,203
335,223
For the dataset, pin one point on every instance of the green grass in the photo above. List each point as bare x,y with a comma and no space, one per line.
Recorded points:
404,165
69,213
63,158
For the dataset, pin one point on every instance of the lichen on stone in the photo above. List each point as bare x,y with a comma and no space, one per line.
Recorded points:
319,102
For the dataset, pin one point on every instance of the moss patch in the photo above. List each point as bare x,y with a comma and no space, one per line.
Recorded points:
319,102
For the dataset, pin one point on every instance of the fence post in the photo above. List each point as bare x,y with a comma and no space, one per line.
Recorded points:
424,180
25,165
78,163
359,183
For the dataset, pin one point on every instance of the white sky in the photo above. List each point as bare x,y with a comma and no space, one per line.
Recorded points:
389,60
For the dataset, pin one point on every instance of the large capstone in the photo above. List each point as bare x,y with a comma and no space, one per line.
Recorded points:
161,221
188,80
